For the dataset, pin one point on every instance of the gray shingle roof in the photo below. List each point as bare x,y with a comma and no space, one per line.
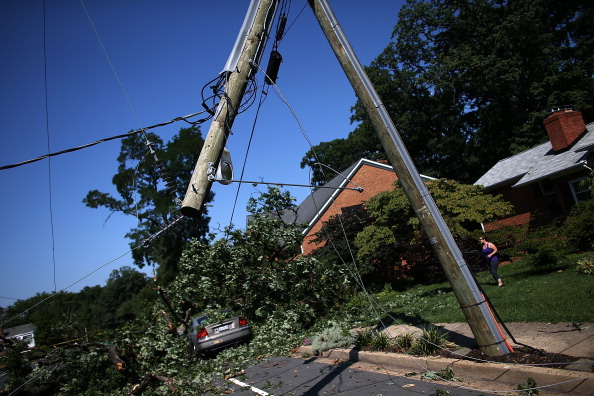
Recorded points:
538,163
22,329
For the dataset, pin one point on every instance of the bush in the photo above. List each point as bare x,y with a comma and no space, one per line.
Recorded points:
579,226
430,341
404,341
544,259
332,337
586,266
364,338
380,341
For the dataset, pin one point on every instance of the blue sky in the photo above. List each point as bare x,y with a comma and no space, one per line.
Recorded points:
163,54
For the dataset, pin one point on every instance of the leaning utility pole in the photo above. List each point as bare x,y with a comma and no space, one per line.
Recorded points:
473,304
240,68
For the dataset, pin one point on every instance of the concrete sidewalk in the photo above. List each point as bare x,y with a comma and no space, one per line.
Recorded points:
575,340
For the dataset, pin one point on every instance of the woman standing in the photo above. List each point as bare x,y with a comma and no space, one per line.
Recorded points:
490,252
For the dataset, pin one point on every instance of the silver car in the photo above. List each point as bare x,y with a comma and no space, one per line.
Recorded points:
207,338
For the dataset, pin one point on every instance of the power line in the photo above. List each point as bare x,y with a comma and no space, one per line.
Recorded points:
70,150
142,243
47,130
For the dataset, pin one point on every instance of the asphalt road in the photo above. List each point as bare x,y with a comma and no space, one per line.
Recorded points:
294,376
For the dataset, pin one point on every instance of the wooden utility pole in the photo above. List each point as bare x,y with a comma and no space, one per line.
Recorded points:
220,128
472,302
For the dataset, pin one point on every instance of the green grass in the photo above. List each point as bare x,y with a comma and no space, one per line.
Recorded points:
559,295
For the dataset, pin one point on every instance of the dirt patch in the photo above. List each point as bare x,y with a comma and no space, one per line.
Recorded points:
527,356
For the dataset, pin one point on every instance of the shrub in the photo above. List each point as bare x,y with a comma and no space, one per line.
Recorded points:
405,341
332,337
543,259
430,341
380,341
364,338
586,266
579,226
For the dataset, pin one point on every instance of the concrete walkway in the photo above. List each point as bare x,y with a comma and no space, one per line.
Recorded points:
571,339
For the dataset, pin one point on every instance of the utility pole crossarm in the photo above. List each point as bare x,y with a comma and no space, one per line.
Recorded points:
474,306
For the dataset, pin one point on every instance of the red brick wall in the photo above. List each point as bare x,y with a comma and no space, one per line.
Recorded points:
373,180
544,209
521,219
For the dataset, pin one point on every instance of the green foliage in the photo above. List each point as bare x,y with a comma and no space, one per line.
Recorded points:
467,83
143,194
258,272
364,338
395,244
115,305
443,375
563,295
404,341
271,202
381,341
528,387
586,265
332,337
543,259
66,316
430,341
544,247
16,364
579,226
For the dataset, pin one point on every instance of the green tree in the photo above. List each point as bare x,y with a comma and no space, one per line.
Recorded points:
467,83
259,272
389,242
143,194
121,287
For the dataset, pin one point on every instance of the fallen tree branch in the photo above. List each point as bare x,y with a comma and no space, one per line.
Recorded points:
138,389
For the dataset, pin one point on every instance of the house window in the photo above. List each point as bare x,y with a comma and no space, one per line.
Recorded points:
547,187
580,192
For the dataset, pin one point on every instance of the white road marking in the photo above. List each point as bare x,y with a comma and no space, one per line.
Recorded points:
244,385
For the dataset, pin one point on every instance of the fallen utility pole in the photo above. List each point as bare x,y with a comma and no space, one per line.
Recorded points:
473,304
243,66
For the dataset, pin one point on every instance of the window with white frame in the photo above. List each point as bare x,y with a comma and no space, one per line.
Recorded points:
579,191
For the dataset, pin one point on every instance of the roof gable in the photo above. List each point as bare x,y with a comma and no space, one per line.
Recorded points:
315,205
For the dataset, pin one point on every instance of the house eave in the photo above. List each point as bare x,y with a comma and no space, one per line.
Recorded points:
557,174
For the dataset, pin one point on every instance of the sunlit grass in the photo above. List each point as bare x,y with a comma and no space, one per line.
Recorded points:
558,295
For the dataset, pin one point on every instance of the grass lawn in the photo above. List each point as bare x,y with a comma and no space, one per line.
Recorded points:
560,294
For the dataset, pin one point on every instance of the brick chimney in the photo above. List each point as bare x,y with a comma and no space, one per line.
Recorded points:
564,126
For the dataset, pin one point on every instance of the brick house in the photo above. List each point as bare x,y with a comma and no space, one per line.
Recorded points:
353,186
543,182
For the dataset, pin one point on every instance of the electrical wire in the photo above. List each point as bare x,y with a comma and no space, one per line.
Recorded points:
47,130
84,146
142,243
374,304
113,70
263,96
